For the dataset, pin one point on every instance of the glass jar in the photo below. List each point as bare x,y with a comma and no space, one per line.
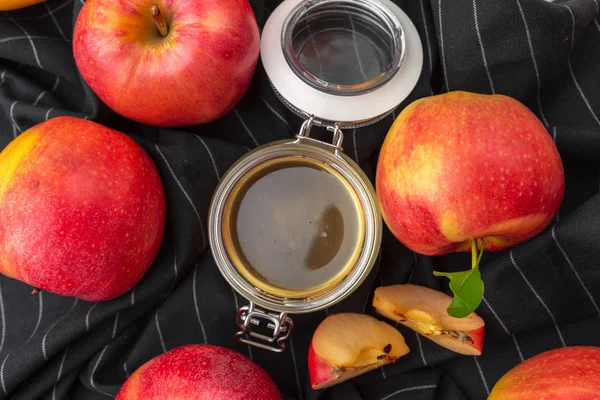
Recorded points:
294,225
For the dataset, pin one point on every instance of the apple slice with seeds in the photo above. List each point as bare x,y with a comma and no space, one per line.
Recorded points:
425,311
346,345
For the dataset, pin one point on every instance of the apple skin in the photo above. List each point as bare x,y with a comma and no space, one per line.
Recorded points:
461,166
424,310
569,373
82,209
8,5
200,372
196,74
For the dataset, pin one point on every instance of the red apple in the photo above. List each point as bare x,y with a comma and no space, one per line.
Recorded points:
424,310
462,166
346,345
167,62
199,372
569,373
82,209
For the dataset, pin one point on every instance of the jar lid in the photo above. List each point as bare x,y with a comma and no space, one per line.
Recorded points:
345,61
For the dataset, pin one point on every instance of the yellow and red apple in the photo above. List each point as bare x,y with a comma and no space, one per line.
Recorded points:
346,345
82,209
424,310
8,5
462,166
200,372
167,62
569,373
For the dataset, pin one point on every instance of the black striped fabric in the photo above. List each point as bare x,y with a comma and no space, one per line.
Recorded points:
540,295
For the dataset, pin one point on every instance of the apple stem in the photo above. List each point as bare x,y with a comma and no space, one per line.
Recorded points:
159,20
476,255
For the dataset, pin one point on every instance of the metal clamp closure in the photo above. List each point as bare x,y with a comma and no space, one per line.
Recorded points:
338,135
279,324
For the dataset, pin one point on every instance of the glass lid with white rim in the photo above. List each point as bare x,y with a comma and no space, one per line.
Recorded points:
342,61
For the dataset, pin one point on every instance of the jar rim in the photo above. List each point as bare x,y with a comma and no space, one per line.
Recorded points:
329,296
375,9
348,110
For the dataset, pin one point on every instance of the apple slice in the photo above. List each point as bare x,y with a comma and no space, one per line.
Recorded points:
424,310
348,344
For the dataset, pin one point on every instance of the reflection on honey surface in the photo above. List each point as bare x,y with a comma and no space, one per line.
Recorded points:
329,238
293,223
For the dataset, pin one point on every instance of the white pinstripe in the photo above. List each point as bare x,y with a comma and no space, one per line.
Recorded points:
56,82
175,270
485,63
187,196
428,44
114,334
2,77
505,328
125,369
514,263
383,372
62,363
279,116
212,159
564,253
39,319
237,307
354,144
132,297
2,374
412,271
196,304
421,349
245,127
92,383
485,384
442,46
14,122
160,335
554,134
3,320
360,65
296,369
35,53
51,14
194,294
535,66
597,12
48,113
44,353
58,8
87,317
410,389
579,89
14,38
41,95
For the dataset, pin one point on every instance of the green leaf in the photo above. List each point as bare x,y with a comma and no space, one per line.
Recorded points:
467,287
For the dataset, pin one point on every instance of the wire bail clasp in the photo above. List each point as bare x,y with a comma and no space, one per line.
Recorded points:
279,324
338,135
